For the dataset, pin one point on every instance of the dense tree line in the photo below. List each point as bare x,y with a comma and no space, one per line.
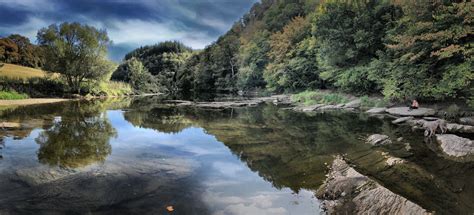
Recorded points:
398,48
17,49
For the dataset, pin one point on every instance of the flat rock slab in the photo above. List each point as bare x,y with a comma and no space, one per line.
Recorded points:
405,111
353,104
455,146
10,125
377,110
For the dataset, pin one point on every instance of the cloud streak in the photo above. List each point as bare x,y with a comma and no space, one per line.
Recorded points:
130,23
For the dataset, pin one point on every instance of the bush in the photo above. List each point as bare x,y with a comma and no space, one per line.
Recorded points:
12,95
34,87
315,97
366,101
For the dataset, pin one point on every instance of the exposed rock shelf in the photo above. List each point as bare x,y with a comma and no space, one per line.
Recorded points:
346,191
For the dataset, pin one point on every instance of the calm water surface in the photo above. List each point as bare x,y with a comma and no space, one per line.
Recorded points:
140,156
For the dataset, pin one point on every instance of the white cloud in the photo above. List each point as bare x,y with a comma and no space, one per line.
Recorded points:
140,32
261,203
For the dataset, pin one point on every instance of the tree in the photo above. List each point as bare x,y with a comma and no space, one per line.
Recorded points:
140,79
75,51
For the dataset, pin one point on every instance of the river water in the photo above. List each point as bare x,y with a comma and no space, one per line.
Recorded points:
142,156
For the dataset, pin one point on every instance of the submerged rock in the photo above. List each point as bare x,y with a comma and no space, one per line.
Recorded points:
405,111
379,139
455,146
377,110
308,108
346,191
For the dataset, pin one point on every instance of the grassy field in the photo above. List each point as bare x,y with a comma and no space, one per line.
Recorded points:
12,95
20,72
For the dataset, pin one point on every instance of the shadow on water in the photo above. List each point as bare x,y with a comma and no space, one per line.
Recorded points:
86,162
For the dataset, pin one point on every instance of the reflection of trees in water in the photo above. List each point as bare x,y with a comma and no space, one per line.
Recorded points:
286,148
166,120
81,137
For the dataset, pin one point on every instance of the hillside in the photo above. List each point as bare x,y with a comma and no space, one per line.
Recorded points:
20,72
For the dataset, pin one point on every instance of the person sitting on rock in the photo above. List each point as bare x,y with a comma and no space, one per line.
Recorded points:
414,105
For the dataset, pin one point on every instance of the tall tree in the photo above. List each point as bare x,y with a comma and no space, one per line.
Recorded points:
77,52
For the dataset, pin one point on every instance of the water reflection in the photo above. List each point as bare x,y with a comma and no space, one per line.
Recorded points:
76,141
138,156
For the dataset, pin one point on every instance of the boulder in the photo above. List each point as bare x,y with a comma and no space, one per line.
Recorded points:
458,128
377,110
405,111
378,139
455,146
402,119
329,107
353,104
429,118
346,191
467,120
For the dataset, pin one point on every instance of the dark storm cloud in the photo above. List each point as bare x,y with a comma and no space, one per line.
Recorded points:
130,23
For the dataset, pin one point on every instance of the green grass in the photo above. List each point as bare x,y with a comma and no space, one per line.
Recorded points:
12,95
111,88
317,97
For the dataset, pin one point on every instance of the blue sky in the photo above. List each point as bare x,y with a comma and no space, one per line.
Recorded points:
130,23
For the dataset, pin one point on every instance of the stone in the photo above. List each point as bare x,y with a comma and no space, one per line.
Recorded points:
308,108
405,111
455,146
10,125
391,161
346,191
467,120
428,118
378,139
458,128
329,107
402,119
377,110
353,104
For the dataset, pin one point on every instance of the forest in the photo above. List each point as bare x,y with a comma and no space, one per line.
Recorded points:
400,49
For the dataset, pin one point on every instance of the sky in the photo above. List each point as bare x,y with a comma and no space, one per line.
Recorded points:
129,23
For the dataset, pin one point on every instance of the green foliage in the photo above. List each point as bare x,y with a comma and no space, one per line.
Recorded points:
12,95
318,97
77,52
367,101
140,79
34,87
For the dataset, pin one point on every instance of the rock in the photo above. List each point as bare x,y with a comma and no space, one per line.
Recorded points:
400,139
455,146
457,128
353,104
346,191
376,110
308,108
393,160
329,107
405,111
41,175
379,139
428,118
467,120
10,125
402,120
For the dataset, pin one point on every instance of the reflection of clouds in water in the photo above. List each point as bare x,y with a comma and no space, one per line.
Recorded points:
261,204
227,168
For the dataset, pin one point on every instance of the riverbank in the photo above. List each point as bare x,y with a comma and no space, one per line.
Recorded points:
22,102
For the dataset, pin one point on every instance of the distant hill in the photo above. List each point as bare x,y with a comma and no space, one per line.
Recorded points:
20,72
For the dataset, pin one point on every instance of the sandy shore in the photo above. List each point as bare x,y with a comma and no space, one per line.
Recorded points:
29,102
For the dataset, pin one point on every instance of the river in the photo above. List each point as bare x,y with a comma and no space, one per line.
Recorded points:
142,156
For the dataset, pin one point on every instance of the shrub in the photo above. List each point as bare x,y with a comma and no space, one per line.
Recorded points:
12,95
315,97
